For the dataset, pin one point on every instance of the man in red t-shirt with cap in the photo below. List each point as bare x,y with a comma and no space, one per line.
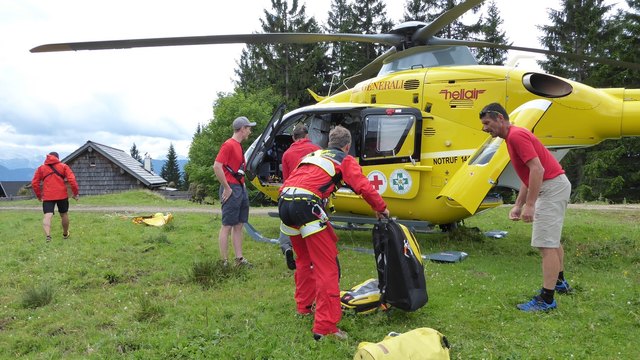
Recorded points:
229,168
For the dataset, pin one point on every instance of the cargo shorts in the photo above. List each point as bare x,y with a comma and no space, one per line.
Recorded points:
236,209
551,206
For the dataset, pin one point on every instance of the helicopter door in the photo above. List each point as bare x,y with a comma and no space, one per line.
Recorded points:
473,181
389,145
389,136
255,154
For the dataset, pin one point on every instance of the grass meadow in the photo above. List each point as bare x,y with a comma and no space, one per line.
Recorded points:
116,289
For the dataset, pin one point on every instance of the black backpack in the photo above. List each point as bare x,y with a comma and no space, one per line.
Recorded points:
401,276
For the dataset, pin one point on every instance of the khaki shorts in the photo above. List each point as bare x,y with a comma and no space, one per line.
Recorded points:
549,214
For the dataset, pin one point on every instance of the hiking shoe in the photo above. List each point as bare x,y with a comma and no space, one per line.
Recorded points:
537,304
291,261
66,236
241,261
304,315
564,288
340,335
307,310
48,239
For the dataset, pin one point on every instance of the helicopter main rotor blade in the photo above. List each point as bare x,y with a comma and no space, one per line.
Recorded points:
472,43
423,35
272,38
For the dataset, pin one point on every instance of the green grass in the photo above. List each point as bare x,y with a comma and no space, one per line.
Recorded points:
121,290
133,198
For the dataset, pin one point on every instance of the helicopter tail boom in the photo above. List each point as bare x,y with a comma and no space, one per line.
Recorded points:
630,124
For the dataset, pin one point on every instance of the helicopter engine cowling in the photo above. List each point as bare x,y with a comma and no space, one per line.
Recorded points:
546,85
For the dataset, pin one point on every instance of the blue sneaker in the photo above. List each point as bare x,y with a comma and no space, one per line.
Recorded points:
537,304
563,288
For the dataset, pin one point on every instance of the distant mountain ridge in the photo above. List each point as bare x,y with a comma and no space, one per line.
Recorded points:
9,173
21,174
157,165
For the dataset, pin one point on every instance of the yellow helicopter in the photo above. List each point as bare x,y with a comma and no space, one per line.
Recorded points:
413,115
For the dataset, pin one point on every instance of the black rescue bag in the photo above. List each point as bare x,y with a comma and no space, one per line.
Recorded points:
399,263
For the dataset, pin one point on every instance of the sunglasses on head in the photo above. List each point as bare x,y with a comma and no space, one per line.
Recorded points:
485,112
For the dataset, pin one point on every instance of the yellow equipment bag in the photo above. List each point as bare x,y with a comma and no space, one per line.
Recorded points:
363,298
417,344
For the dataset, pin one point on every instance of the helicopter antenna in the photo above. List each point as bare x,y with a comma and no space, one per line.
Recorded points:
331,84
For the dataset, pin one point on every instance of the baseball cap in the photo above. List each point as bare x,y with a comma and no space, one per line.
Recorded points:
241,121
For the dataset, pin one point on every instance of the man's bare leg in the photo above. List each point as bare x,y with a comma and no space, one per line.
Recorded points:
65,224
223,240
46,223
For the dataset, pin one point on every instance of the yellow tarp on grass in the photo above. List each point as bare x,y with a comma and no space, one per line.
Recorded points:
157,219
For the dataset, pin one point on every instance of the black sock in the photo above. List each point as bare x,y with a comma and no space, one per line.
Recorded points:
547,295
560,277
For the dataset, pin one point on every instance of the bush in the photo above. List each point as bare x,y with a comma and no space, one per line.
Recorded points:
208,273
36,297
148,310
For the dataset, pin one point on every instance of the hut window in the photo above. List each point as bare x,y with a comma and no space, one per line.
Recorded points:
92,160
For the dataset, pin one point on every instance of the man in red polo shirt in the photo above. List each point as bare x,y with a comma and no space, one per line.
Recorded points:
542,200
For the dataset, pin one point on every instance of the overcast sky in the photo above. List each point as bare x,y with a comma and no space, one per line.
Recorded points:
153,96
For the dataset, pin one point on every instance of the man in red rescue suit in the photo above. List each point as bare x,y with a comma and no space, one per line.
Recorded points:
301,147
52,175
301,209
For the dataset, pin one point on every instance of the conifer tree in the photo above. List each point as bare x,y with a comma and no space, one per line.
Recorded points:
135,153
417,10
340,20
457,29
368,17
171,170
578,27
289,69
490,31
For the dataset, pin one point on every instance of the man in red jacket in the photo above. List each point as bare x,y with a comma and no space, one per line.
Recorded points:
51,176
301,209
301,147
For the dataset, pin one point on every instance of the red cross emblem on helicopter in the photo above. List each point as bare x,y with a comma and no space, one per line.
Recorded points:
378,181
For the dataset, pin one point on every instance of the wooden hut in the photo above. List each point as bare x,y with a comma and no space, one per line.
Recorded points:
10,189
101,169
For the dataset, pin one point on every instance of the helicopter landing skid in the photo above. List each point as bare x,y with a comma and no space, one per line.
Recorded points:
351,222
255,235
356,222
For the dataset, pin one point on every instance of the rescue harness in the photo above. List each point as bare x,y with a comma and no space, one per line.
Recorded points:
314,218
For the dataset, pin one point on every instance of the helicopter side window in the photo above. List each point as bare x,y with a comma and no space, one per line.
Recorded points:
385,136
486,152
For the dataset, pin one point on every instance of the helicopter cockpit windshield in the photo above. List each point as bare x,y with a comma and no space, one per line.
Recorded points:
428,56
